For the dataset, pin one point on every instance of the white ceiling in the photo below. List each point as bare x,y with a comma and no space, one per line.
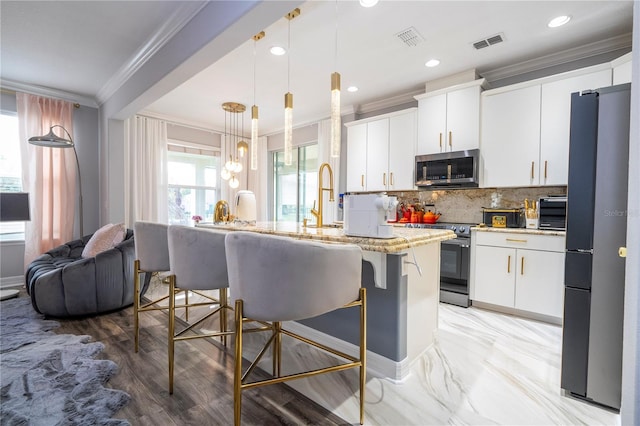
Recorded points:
93,41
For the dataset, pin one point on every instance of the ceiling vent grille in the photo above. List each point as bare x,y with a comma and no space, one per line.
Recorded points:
411,37
489,41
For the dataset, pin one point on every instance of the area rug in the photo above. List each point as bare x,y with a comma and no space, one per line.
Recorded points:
52,379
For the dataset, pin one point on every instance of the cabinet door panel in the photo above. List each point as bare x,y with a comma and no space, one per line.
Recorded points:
432,124
377,155
402,145
495,275
540,282
511,137
463,119
554,123
356,157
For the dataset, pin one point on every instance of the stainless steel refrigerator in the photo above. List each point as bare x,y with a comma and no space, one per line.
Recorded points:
596,229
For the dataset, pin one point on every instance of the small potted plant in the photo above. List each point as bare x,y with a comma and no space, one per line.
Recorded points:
196,218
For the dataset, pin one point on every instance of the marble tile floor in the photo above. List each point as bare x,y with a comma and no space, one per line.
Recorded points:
484,368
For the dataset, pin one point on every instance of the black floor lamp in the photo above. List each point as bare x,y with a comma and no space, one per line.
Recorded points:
51,140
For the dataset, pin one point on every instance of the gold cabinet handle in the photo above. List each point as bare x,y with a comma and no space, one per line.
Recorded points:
391,178
532,165
384,179
362,181
622,252
515,240
545,168
508,264
449,138
522,266
441,141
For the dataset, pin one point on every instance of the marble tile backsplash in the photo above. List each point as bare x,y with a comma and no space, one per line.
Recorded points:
465,205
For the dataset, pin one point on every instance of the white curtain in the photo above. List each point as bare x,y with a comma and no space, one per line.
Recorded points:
48,174
324,156
145,170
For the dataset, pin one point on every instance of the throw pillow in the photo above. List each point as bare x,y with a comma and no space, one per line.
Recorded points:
119,237
101,240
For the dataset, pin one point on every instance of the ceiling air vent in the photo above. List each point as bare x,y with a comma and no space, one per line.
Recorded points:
410,37
489,41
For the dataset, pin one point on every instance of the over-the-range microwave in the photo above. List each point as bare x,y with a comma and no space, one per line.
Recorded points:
448,169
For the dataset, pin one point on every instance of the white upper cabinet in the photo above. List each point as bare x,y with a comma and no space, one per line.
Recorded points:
555,121
525,128
403,132
356,157
381,152
510,137
449,119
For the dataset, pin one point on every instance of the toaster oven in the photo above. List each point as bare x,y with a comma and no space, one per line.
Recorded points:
553,213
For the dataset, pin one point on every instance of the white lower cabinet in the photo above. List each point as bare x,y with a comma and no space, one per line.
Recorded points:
519,271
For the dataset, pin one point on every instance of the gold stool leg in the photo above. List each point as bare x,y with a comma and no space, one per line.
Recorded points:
363,349
277,348
223,314
136,304
186,307
172,318
237,373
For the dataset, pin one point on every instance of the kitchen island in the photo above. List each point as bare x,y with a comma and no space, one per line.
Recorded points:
402,278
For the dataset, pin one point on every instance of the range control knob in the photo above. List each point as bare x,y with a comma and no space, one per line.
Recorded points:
463,229
453,228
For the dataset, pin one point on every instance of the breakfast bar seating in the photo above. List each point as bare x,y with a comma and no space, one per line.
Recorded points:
198,263
275,279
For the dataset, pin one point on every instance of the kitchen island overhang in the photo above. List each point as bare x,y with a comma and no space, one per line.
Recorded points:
402,302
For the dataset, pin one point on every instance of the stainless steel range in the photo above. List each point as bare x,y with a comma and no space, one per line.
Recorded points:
455,257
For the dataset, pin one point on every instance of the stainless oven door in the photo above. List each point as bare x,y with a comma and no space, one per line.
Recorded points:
454,259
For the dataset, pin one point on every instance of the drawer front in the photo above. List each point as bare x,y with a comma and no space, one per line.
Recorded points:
521,240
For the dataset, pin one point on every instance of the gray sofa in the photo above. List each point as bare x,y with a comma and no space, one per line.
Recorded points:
63,284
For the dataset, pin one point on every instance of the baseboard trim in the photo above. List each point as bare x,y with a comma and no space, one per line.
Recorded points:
11,282
377,365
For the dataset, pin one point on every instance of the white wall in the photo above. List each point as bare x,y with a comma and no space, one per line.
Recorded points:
630,410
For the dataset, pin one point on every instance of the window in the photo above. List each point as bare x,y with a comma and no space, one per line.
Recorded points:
193,183
295,186
10,170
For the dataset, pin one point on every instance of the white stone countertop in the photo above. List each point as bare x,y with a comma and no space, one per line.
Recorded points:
519,231
405,238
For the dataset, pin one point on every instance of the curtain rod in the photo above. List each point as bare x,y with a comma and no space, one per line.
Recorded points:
175,123
13,92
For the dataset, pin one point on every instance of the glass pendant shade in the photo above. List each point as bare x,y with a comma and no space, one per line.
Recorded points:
243,147
234,182
254,137
237,167
229,165
336,124
225,173
288,129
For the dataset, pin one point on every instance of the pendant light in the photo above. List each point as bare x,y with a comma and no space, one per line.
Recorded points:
336,124
254,109
288,99
233,166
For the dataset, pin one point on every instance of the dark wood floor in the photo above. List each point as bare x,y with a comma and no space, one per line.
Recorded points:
203,378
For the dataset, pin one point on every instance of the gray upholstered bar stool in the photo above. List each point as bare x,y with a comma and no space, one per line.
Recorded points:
198,262
275,279
152,255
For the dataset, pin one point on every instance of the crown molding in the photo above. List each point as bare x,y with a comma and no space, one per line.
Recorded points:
559,58
164,33
392,101
32,89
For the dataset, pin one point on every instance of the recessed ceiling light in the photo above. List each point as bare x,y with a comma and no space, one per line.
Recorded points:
368,3
278,50
432,63
558,21
352,89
